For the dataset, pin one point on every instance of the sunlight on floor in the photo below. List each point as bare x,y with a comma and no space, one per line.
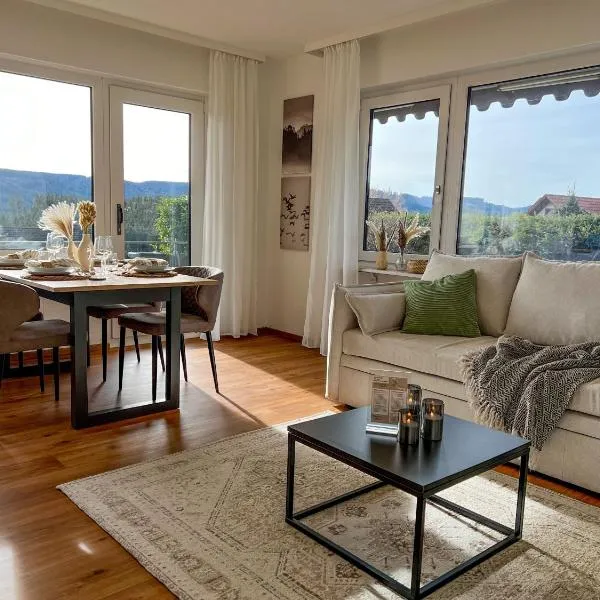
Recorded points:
8,577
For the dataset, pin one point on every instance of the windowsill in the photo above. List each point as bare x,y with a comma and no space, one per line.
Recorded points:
388,273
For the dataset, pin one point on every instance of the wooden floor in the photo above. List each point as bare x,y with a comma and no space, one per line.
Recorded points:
48,548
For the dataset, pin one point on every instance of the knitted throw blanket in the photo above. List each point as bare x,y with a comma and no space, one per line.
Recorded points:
524,388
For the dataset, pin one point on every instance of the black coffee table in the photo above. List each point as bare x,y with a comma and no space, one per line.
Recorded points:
466,450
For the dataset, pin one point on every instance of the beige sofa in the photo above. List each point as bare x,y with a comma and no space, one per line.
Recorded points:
544,301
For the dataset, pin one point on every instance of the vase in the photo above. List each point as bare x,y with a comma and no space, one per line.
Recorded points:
84,252
381,262
401,262
71,249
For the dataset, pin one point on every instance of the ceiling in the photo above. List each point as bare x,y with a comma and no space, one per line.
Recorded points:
273,28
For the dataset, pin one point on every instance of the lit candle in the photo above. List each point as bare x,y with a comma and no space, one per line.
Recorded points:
433,421
408,432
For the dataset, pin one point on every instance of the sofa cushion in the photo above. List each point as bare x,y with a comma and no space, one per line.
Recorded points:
446,306
377,313
434,354
496,281
556,302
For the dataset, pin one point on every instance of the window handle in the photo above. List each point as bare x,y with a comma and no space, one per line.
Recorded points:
119,218
438,189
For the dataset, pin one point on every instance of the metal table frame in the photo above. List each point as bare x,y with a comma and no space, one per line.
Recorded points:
78,301
416,591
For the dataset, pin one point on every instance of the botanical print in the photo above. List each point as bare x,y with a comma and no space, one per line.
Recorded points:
296,154
294,222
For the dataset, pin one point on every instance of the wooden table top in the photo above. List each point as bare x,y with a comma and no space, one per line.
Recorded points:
113,282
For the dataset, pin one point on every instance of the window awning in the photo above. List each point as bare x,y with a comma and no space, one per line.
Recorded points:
533,89
418,109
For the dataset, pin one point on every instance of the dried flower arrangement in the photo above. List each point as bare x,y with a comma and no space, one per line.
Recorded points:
58,218
87,215
383,239
407,232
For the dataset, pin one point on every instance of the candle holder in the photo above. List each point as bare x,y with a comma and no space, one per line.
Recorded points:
414,397
432,420
408,430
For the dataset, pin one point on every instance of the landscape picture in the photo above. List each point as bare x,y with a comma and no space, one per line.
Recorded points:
295,213
296,154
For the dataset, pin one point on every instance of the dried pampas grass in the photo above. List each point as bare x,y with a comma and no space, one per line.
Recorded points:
87,215
59,219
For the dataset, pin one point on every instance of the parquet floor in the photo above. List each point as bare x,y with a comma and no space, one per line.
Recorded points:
48,548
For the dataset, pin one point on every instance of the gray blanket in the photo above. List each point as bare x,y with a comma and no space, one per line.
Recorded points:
524,388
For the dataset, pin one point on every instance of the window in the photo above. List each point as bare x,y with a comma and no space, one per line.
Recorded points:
45,153
406,158
530,172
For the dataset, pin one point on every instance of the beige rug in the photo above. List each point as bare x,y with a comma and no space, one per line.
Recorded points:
209,524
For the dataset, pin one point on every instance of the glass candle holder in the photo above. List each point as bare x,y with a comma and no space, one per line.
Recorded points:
408,427
432,419
413,398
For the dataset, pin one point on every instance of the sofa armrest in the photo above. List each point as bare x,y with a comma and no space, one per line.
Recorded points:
341,319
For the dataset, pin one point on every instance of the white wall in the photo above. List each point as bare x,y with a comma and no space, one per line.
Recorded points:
284,273
36,33
508,32
63,39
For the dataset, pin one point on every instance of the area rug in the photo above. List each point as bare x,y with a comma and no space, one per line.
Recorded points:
209,524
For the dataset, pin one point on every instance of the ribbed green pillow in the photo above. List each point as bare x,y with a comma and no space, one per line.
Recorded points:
446,306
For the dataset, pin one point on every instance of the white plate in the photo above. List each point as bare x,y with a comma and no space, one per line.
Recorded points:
50,270
153,269
12,262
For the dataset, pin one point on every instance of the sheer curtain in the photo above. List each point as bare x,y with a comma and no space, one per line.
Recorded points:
230,219
334,251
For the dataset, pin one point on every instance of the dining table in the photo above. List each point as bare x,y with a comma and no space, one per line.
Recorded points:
79,294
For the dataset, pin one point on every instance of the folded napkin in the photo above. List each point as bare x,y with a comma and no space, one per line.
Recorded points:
52,263
140,262
22,255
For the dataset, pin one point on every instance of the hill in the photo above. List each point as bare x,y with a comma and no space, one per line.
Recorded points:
26,184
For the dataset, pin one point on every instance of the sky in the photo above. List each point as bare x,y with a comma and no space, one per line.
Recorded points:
514,155
45,126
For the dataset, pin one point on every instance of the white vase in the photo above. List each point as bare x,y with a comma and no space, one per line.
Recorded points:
71,249
85,252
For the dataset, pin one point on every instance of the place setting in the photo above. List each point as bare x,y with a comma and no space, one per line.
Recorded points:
147,267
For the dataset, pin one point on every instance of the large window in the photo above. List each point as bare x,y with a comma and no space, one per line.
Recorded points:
45,153
406,158
531,168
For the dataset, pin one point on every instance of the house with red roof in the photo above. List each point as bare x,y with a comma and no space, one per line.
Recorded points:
551,203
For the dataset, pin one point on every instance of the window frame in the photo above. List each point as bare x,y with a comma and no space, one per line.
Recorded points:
369,104
100,131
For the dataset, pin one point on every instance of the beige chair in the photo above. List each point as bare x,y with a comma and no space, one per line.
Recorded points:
199,308
18,333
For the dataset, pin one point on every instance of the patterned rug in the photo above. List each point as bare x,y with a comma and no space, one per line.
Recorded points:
209,524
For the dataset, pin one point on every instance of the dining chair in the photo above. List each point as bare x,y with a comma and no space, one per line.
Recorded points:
40,356
199,308
19,333
113,311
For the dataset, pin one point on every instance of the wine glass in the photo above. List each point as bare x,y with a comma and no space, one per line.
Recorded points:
54,243
103,247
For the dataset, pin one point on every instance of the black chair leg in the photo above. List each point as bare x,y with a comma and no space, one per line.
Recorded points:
154,352
89,358
160,352
104,347
2,362
137,344
213,363
121,356
21,357
40,358
56,361
183,357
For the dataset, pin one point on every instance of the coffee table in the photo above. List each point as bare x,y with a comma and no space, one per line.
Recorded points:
466,450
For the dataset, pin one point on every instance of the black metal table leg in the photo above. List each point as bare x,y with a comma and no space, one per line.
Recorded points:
521,497
173,327
79,392
415,584
291,466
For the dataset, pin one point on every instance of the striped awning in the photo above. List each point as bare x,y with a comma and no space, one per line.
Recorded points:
418,109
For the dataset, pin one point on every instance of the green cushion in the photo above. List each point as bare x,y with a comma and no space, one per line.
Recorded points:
446,306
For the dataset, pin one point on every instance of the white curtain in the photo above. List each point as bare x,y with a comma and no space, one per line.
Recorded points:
230,219
334,250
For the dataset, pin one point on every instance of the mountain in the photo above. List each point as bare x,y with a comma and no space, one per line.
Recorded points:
423,204
26,184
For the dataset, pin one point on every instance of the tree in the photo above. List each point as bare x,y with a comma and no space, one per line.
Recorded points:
571,207
172,225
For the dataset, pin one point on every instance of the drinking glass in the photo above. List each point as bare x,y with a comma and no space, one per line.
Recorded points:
54,243
103,247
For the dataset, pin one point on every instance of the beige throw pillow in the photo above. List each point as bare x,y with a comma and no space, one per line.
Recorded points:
377,313
496,281
556,303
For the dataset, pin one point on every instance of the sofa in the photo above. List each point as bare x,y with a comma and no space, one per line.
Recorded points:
547,302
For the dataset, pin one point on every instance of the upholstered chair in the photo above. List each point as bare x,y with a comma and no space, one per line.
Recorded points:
199,308
113,311
18,333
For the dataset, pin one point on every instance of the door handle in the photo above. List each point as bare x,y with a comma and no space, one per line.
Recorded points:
119,218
